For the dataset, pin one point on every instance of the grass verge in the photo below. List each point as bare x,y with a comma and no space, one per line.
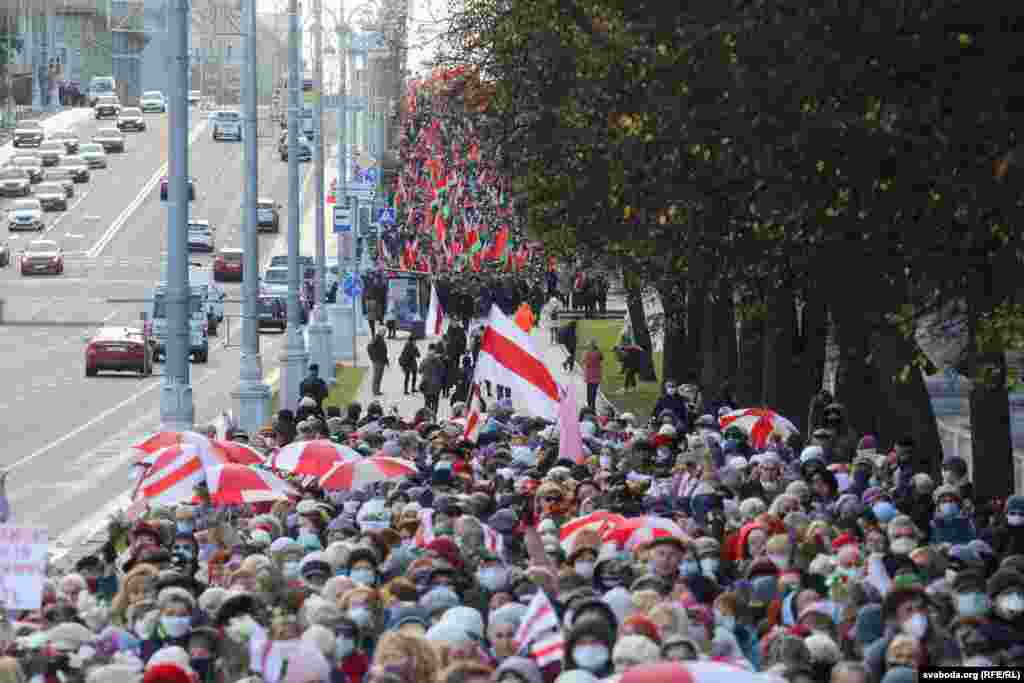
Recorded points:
346,385
606,332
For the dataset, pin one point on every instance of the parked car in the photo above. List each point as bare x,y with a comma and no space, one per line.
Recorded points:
268,214
228,265
227,125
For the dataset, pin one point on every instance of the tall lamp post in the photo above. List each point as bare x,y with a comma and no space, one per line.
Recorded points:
252,396
294,358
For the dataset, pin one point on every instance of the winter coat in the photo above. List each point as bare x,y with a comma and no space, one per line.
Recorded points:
593,360
955,530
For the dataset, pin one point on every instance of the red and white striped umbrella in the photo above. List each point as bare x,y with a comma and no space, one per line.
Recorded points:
175,471
239,453
314,458
234,484
636,531
357,474
758,424
600,521
160,440
699,671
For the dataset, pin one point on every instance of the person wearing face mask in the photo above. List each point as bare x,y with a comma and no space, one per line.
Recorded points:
351,663
1008,531
950,524
1006,591
287,553
362,563
583,558
176,606
361,605
708,552
589,646
674,404
975,631
491,573
203,652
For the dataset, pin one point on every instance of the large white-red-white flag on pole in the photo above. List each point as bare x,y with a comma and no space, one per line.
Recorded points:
508,357
435,314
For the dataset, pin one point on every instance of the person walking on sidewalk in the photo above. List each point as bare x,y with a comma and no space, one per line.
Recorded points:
432,374
568,339
593,360
377,350
409,361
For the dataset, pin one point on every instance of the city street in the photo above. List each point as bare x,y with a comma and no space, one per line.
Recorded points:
67,434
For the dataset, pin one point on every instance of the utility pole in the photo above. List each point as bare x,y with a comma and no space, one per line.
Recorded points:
177,411
252,396
294,359
320,328
343,316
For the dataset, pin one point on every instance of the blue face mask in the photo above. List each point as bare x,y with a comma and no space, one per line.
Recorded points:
186,526
689,567
949,509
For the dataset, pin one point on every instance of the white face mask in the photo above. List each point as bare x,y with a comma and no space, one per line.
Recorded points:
1015,520
492,578
709,566
584,568
590,657
916,625
290,570
1010,605
343,647
902,546
726,621
365,577
176,627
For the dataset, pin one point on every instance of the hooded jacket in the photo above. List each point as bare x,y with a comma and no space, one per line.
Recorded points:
595,628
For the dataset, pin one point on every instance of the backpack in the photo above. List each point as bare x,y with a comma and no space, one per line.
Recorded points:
406,359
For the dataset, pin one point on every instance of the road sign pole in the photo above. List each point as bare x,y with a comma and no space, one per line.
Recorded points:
342,316
356,297
177,411
294,359
252,397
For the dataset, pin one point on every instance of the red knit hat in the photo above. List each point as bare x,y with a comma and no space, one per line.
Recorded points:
166,673
843,539
643,625
446,548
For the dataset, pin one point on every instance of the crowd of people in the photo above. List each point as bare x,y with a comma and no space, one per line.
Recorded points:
668,543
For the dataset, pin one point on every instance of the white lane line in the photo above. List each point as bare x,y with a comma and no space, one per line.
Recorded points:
111,315
134,204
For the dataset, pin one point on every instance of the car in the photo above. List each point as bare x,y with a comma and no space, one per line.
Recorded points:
93,154
15,182
28,133
275,281
200,236
25,214
68,137
227,125
64,177
5,255
228,265
101,86
153,100
107,107
272,312
193,97
131,118
267,215
77,166
305,149
164,185
51,151
119,348
30,164
42,256
52,196
281,261
112,139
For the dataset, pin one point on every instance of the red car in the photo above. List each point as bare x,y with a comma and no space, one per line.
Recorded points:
228,265
118,348
42,256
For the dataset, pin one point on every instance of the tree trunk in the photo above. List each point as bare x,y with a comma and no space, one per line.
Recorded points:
749,361
710,377
811,341
695,298
856,385
991,437
725,326
641,332
907,407
777,377
675,361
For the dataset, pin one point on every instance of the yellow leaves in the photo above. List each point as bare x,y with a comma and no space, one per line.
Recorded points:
874,109
663,49
934,197
965,39
809,105
884,184
820,166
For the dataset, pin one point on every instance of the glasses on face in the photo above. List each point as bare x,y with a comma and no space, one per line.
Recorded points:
552,499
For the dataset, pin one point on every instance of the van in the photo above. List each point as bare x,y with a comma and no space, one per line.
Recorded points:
156,325
101,86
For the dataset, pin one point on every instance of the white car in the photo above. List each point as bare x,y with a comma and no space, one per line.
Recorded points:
200,236
153,100
227,125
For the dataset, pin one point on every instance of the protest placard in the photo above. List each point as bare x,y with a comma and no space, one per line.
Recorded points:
22,566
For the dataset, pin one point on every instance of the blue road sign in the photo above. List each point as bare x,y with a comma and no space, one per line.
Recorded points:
342,219
352,285
385,215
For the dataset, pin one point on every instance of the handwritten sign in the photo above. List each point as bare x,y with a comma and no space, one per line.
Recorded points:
22,566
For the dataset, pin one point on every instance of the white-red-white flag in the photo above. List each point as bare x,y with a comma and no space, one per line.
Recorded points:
435,314
474,418
508,357
539,620
549,649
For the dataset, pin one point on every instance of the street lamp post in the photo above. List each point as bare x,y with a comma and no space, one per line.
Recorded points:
177,411
320,328
343,316
252,396
294,359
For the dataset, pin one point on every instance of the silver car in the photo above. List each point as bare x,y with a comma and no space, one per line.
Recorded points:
15,182
153,100
52,196
200,236
51,151
25,214
112,139
130,118
275,281
93,154
63,177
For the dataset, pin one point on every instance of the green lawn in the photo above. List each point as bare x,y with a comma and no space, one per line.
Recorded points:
606,332
346,386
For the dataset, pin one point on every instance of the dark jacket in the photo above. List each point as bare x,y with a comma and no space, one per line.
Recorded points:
315,388
410,356
377,350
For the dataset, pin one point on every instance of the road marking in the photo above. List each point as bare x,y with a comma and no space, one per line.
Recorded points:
134,204
74,236
112,314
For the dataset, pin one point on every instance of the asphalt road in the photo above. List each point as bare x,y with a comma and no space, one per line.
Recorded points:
66,436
